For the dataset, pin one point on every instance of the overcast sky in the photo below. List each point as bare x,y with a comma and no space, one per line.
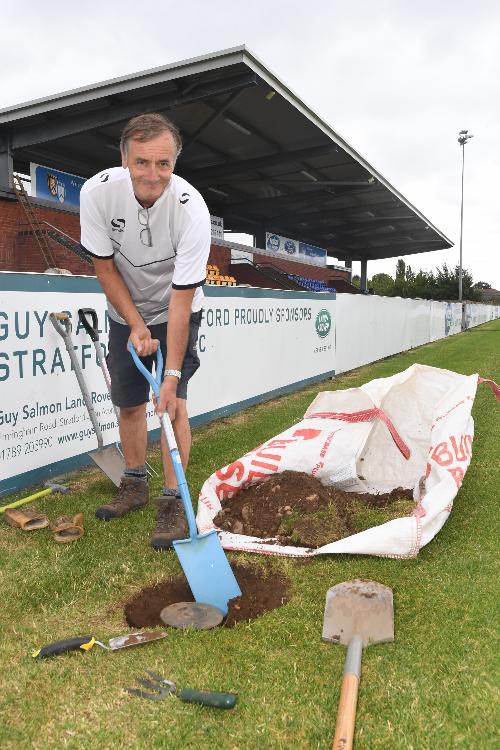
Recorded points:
397,79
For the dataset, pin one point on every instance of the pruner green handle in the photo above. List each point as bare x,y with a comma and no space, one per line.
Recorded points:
207,698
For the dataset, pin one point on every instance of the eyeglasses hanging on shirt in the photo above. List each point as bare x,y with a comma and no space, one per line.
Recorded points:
145,234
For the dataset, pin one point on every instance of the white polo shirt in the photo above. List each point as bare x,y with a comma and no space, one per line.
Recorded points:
155,250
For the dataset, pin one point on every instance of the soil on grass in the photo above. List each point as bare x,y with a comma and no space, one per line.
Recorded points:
295,509
262,591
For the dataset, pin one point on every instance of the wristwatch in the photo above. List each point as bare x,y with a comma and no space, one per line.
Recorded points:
175,373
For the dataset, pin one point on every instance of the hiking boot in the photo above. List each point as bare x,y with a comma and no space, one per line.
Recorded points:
132,494
171,523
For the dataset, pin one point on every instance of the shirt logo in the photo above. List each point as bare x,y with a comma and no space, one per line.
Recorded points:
184,198
104,177
118,225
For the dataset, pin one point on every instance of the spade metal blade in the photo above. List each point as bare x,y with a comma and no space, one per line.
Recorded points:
135,639
363,608
207,570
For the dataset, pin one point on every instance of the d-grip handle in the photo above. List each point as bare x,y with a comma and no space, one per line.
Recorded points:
207,698
154,382
85,642
91,328
62,323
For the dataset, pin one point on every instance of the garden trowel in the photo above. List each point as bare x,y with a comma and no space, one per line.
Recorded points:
357,614
86,642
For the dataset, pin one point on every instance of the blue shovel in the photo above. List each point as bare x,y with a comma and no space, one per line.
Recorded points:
201,556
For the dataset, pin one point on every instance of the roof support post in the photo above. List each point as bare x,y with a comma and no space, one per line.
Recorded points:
260,238
364,276
6,166
348,266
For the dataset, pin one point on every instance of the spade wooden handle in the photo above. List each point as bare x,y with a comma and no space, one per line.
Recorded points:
346,715
344,731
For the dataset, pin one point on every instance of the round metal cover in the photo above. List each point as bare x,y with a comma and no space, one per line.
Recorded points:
191,615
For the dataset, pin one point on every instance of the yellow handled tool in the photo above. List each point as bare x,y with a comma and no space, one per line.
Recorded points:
48,491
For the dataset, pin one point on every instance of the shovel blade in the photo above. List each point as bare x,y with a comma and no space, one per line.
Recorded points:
207,570
111,461
363,608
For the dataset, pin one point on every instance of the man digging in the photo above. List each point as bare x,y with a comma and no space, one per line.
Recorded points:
148,231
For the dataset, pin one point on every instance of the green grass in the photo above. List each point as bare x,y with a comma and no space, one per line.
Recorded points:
436,686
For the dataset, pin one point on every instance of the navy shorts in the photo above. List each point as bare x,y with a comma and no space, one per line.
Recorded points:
128,386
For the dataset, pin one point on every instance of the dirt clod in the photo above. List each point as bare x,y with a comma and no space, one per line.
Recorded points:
296,509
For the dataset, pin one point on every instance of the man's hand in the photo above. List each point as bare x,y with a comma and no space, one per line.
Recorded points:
140,336
168,398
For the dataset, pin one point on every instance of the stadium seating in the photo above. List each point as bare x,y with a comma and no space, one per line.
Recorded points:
312,285
214,276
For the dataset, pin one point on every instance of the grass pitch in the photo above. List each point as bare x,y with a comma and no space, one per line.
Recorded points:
436,686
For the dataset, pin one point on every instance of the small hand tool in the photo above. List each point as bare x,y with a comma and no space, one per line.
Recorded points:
86,642
161,688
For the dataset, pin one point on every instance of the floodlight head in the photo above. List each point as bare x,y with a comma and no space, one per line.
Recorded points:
464,136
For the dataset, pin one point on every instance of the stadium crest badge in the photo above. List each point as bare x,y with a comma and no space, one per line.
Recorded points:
52,184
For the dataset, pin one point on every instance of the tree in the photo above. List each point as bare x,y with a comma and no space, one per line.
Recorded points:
423,285
356,281
447,284
400,280
441,285
400,269
382,284
482,285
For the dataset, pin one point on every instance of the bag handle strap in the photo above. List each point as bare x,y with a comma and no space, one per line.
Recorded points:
494,387
368,415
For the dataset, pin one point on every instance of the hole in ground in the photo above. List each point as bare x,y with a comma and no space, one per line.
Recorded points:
262,591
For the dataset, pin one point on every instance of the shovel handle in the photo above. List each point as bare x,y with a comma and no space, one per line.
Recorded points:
62,323
154,382
346,715
29,499
92,328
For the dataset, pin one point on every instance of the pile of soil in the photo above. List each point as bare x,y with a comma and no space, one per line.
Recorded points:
262,591
296,509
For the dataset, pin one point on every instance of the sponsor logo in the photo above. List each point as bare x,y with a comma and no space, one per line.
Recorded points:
104,177
323,323
118,225
184,198
273,242
290,247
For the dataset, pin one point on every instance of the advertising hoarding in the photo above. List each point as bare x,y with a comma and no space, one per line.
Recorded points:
285,247
253,344
56,186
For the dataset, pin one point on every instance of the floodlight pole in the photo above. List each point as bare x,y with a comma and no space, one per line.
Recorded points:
463,137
